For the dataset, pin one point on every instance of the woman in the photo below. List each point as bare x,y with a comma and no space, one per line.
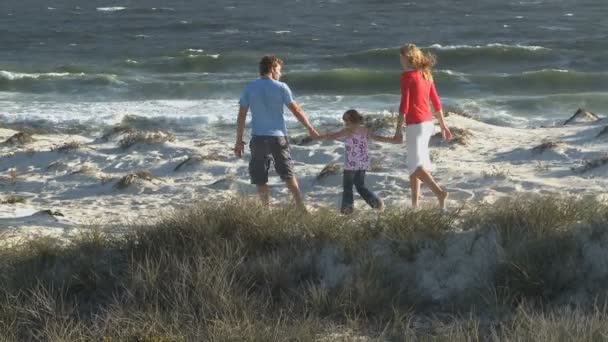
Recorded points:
417,88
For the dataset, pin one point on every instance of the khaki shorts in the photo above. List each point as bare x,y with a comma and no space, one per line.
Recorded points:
267,149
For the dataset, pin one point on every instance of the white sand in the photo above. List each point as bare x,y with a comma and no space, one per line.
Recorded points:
497,162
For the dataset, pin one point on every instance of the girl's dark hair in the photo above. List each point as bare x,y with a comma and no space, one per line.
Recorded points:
267,63
353,116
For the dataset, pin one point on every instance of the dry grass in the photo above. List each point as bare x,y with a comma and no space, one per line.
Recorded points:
236,271
589,165
496,172
116,131
542,166
20,138
378,164
214,156
131,178
56,166
583,114
148,138
376,122
461,136
12,199
457,111
434,155
329,170
547,144
67,147
105,179
13,176
85,169
200,158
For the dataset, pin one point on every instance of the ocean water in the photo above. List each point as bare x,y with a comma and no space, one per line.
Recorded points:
518,63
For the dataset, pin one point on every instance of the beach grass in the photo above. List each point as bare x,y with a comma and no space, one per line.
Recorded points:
525,268
141,137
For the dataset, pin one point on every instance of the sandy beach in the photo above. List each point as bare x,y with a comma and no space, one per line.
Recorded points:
57,184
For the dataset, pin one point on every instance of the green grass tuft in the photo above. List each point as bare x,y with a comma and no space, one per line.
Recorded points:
525,268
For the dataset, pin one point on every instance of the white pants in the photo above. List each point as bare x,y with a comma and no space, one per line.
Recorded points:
417,139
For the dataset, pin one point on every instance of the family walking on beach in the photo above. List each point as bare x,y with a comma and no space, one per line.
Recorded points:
267,96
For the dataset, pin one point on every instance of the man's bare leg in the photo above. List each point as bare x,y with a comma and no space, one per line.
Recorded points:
426,177
294,188
264,194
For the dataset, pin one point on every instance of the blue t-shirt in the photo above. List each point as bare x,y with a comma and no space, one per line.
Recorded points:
266,99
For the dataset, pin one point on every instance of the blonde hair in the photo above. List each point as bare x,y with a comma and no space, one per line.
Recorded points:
419,60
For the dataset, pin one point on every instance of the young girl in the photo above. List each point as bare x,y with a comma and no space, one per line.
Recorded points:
356,159
417,88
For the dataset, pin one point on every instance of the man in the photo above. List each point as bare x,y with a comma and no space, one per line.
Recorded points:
266,97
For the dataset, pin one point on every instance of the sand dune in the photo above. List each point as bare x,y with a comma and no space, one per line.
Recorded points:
91,180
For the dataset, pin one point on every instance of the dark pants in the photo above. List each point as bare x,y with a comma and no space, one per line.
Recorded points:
356,178
266,150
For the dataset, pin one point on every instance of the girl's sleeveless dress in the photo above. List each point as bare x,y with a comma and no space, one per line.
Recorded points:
356,156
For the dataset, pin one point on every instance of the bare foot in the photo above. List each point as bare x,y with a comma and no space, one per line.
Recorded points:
442,197
416,203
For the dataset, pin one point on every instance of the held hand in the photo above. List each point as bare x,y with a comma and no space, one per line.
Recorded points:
239,149
447,135
313,133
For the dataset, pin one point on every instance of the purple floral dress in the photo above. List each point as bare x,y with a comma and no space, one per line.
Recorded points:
356,152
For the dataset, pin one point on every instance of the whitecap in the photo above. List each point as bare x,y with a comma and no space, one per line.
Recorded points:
545,70
111,9
282,32
492,45
556,28
461,76
11,76
229,31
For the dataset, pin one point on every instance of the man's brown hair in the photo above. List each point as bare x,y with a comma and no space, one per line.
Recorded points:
267,63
